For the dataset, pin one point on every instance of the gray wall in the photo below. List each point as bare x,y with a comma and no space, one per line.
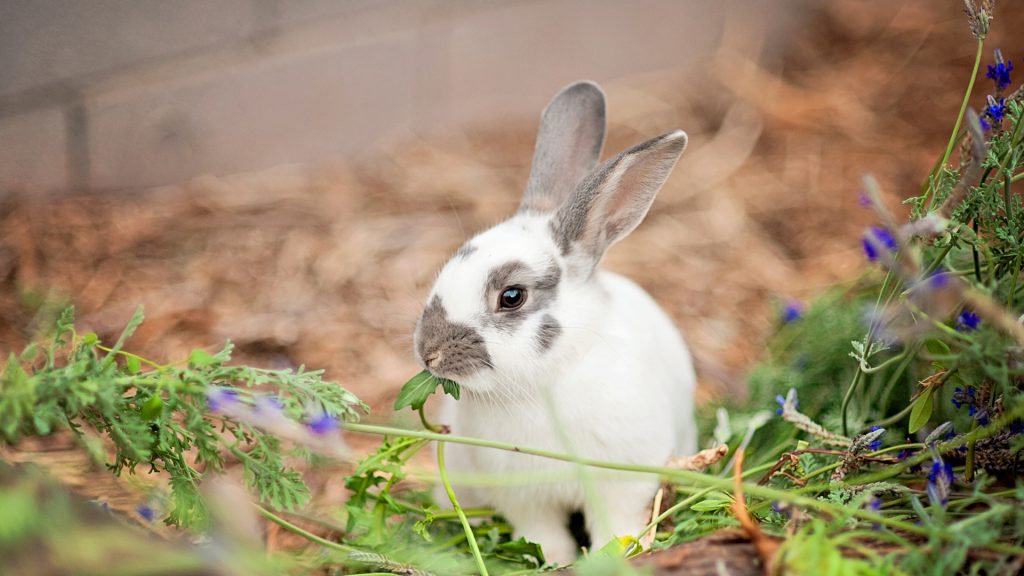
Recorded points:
133,93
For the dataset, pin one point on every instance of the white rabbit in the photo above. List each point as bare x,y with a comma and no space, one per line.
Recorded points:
553,353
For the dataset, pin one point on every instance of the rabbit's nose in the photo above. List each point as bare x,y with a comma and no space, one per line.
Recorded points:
433,358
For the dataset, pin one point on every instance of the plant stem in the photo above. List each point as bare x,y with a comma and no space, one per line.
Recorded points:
963,106
687,475
307,535
458,510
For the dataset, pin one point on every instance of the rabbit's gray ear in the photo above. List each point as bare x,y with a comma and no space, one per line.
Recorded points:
569,145
614,199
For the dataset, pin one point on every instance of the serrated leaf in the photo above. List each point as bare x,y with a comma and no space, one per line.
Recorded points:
200,358
29,353
129,329
519,550
450,387
17,396
921,412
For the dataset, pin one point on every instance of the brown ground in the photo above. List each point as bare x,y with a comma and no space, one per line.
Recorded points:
327,266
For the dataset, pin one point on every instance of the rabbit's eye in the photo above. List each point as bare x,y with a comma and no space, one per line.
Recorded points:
511,298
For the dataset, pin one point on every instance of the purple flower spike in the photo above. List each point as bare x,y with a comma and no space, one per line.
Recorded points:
218,398
938,279
792,312
876,444
322,424
996,109
146,512
967,321
939,480
1000,71
269,404
873,237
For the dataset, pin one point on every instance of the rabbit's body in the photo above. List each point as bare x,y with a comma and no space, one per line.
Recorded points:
553,353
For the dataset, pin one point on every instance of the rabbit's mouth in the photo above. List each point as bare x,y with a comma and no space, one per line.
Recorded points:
449,349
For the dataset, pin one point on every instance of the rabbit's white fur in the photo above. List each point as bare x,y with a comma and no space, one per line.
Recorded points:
594,369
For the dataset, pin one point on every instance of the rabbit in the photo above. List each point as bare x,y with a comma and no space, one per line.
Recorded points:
552,352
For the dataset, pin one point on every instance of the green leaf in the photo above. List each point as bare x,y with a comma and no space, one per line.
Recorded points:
713,501
450,387
132,364
153,408
129,329
519,551
415,392
17,395
922,410
937,347
29,354
90,338
200,358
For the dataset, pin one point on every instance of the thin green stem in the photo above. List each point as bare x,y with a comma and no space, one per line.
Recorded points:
676,475
307,535
963,106
130,355
426,423
848,396
458,510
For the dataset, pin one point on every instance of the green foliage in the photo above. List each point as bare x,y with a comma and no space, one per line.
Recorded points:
415,392
160,416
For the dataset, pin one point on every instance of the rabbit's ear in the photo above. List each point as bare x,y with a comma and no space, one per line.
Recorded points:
614,199
569,145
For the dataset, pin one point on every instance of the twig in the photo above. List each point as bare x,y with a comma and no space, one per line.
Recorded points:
765,546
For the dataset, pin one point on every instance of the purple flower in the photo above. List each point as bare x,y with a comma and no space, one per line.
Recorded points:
984,124
873,237
939,480
322,424
938,279
863,200
1017,427
217,398
792,312
146,512
875,444
996,110
1000,72
270,404
782,403
967,321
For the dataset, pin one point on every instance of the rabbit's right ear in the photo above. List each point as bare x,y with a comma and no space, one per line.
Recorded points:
569,145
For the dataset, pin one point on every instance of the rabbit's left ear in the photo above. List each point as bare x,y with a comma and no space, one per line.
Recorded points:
569,145
613,200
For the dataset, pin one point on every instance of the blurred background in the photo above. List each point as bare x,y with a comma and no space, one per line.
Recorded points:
291,175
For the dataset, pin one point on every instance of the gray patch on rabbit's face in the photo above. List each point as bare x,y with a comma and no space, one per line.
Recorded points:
447,348
541,292
465,251
549,330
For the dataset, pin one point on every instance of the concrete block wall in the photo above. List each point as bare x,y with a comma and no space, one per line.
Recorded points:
135,93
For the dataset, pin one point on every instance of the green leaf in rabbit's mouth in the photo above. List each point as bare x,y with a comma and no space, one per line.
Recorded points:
415,392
